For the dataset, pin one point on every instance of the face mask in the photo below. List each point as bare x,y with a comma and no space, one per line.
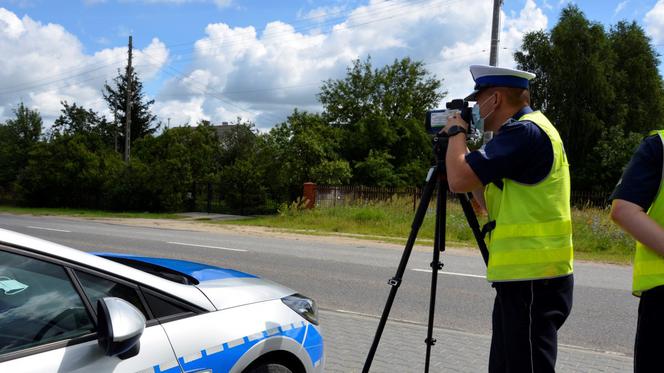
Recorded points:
477,119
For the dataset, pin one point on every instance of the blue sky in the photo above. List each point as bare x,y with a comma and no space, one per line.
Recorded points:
220,59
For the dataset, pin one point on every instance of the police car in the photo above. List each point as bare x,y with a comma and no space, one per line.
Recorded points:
63,310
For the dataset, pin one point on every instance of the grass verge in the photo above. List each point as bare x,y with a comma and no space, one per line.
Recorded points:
596,238
85,213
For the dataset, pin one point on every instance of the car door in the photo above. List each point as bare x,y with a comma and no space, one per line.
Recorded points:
47,322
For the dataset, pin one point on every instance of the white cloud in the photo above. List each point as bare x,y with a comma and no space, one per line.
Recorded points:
258,74
263,74
654,21
620,7
321,14
44,64
219,3
181,112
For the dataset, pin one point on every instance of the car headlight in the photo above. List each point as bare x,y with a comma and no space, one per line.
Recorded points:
303,306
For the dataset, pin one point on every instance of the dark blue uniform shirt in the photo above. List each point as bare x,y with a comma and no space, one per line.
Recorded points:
520,151
640,181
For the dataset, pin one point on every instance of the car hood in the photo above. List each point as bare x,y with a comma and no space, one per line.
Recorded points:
225,288
233,292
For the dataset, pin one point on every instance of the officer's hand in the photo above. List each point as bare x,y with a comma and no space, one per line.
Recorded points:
454,120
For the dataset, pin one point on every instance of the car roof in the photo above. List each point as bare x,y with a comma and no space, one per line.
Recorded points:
187,293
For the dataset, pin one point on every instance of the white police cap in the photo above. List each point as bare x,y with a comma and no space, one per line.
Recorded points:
492,76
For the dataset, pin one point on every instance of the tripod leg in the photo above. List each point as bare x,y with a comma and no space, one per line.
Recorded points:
395,281
471,218
436,264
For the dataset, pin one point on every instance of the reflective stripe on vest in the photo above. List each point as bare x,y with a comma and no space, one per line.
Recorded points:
648,265
533,234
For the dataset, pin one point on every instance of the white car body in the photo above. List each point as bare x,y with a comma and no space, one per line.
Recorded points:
237,319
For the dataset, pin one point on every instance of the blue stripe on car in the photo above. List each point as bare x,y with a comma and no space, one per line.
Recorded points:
314,345
199,271
228,353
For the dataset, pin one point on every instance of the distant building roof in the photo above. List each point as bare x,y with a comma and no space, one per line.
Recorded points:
225,128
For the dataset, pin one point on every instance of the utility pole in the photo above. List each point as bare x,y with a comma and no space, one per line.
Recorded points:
128,111
115,128
495,33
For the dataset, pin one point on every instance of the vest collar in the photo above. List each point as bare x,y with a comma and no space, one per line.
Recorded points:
524,110
515,118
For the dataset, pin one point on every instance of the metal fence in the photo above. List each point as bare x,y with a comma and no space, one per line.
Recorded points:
332,196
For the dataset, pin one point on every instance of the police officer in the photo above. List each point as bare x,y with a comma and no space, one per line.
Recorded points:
526,181
638,207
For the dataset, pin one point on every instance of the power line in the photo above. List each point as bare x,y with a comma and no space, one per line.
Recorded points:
30,85
217,95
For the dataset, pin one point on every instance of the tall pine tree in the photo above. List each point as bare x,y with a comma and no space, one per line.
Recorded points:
143,122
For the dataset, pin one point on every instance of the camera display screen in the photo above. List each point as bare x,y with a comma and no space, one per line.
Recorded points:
436,120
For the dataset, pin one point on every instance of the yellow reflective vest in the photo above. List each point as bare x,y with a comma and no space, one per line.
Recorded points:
532,238
648,265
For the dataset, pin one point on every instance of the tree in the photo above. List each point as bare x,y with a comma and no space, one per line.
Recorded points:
306,149
592,83
76,120
174,162
639,104
237,141
17,138
66,172
380,114
143,122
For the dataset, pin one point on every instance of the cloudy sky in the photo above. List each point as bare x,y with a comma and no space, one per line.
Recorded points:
257,59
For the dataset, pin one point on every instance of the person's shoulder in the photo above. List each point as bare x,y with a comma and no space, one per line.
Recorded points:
521,128
653,140
651,146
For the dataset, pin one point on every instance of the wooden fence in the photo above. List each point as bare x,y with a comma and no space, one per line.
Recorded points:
331,196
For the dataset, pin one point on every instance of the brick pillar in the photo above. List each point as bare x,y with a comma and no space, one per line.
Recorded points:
310,194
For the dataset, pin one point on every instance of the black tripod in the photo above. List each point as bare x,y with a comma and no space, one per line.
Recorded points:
437,177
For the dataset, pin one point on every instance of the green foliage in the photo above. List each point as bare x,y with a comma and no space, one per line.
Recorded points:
17,138
305,149
242,186
66,172
377,167
380,114
176,161
335,172
594,85
294,208
76,120
639,101
612,153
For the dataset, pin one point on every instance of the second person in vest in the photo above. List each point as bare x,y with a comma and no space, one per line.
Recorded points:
638,207
523,175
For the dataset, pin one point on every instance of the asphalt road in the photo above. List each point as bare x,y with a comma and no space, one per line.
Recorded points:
352,277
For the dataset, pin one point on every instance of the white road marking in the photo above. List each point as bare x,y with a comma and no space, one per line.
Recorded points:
206,246
449,273
49,229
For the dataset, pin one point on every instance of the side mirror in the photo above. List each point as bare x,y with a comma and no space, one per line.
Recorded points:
119,327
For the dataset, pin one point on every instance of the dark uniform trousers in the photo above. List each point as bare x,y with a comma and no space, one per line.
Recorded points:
526,319
649,344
